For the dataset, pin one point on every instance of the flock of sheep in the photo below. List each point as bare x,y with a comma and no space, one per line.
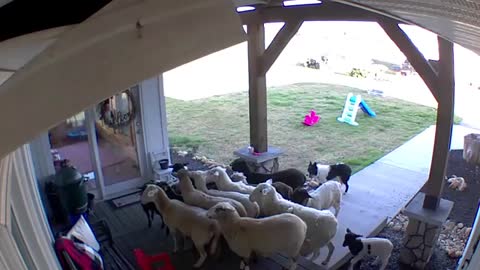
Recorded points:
251,212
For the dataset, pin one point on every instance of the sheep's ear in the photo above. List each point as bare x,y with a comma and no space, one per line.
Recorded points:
309,164
269,181
348,230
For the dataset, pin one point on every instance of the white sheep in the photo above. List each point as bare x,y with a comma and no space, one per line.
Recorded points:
284,233
199,178
457,183
324,197
223,182
197,198
239,177
372,246
322,224
188,220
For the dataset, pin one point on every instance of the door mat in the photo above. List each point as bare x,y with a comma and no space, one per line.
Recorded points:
125,200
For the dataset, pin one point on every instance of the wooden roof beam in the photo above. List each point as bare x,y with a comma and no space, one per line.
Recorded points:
278,44
414,56
327,11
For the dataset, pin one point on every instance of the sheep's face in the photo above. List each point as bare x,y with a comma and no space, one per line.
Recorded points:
312,169
350,238
149,193
221,211
261,192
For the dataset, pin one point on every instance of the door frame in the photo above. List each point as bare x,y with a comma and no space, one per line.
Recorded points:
108,191
25,237
470,259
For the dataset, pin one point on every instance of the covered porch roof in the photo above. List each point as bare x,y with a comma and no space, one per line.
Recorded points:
124,42
123,27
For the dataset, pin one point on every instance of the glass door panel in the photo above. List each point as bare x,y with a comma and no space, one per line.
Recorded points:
69,140
116,137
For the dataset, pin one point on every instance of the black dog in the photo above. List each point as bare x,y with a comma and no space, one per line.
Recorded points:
291,177
329,172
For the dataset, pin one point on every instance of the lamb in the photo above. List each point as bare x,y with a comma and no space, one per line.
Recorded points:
197,198
361,247
188,220
260,236
326,196
323,173
321,224
222,180
291,177
283,189
457,183
149,207
199,177
238,177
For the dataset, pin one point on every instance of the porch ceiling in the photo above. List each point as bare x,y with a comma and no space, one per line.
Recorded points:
454,20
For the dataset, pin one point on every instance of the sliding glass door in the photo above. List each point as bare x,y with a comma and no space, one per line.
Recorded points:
105,143
118,142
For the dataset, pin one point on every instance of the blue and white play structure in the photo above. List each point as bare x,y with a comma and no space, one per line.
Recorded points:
352,103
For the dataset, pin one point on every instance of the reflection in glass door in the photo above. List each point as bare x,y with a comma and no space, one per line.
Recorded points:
69,140
115,121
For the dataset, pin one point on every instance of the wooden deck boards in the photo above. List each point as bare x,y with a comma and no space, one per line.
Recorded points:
130,231
392,181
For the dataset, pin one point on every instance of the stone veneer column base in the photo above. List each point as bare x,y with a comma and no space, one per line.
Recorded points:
423,229
263,162
269,166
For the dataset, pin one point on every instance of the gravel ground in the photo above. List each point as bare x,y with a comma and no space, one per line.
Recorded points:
464,211
439,261
466,202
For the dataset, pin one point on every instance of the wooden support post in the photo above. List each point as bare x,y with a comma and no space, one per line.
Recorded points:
442,86
259,62
257,87
414,56
289,29
443,132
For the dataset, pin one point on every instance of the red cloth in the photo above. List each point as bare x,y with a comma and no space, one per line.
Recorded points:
81,259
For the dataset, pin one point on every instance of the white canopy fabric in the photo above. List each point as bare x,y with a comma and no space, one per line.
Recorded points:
126,42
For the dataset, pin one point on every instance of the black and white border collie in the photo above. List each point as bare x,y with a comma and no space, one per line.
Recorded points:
323,173
361,247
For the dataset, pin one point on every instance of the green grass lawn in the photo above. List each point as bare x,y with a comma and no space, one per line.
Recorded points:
217,126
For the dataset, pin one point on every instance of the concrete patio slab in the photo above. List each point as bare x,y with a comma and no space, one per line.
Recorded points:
380,191
416,154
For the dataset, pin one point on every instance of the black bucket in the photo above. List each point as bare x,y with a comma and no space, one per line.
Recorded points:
163,164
